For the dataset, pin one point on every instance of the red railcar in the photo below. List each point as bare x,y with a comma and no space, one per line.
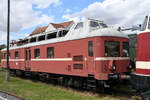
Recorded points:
88,54
141,79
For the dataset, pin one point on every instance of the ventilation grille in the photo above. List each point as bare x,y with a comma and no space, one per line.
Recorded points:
78,66
78,58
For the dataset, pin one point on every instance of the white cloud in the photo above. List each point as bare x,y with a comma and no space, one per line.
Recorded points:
116,12
3,37
44,3
67,11
23,15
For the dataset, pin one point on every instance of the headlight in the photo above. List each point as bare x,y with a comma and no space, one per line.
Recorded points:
130,66
114,67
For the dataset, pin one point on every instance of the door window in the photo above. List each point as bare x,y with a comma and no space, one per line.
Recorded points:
50,52
90,47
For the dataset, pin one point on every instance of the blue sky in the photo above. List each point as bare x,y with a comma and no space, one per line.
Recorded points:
26,15
57,11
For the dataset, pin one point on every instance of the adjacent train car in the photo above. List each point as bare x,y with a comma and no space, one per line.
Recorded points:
89,54
141,79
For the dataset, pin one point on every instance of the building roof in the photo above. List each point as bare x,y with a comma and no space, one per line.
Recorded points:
42,29
61,25
39,30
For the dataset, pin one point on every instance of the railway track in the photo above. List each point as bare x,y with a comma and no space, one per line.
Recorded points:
8,96
110,92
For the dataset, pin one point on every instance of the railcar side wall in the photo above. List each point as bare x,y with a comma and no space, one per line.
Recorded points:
71,58
143,54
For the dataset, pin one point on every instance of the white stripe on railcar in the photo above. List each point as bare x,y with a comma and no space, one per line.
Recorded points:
143,65
14,60
142,74
53,59
111,58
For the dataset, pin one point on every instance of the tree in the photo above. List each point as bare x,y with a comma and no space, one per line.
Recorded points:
2,46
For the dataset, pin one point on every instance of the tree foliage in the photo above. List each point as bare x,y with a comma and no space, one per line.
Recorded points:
2,46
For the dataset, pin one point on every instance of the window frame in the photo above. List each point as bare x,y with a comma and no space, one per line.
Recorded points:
5,56
16,54
149,23
91,23
33,39
90,49
51,35
123,49
105,48
50,49
41,38
37,53
79,25
144,25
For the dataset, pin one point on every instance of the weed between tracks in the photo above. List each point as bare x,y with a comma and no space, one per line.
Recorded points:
30,90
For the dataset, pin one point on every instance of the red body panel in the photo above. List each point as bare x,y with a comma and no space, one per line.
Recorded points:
67,50
143,53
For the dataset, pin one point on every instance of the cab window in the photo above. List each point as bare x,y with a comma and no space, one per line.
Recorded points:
149,24
103,25
125,49
94,24
144,24
112,48
79,25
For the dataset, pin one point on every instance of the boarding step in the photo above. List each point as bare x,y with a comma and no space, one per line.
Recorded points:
91,86
27,74
92,81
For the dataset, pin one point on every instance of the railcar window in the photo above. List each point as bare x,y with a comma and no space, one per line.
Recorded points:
36,53
41,38
9,55
26,55
103,25
5,55
29,54
51,35
125,49
62,33
112,48
94,24
149,24
144,24
79,25
33,40
16,55
90,47
50,52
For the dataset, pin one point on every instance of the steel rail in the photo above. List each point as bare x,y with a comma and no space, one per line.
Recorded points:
6,94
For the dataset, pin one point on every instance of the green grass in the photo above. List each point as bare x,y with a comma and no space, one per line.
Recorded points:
40,91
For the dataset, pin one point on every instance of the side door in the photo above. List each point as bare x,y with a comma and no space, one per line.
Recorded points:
27,59
90,58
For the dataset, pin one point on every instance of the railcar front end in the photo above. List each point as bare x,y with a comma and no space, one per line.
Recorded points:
141,79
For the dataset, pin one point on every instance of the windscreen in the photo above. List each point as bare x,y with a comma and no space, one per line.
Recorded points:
125,49
149,24
112,48
144,24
